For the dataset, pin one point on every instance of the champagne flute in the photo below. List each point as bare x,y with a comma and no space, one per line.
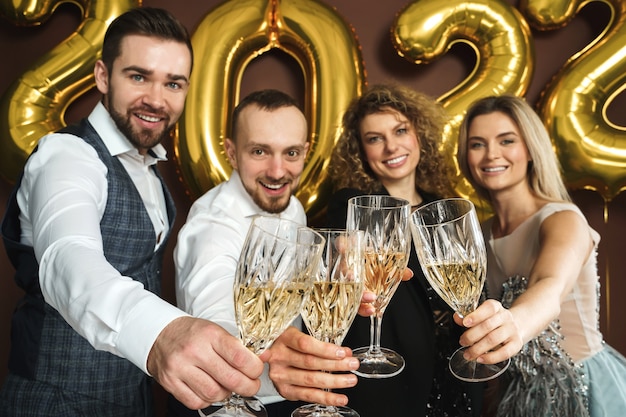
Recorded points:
274,275
385,221
451,249
334,301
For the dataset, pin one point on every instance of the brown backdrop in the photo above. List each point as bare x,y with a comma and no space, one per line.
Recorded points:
371,20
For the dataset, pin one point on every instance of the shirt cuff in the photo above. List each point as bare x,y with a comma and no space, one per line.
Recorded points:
268,393
144,324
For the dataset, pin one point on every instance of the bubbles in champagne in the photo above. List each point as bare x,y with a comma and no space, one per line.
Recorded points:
383,274
458,284
264,311
330,309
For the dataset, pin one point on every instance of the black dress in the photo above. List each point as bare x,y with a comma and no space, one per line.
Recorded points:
418,325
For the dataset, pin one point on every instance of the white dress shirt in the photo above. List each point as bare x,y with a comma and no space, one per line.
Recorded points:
207,252
62,199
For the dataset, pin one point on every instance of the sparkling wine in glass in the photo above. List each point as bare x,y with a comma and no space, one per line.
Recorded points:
274,276
451,249
334,301
385,221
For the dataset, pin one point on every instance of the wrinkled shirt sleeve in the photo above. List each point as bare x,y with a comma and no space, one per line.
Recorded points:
62,199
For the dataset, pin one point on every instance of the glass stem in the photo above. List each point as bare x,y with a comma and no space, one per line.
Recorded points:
376,322
234,401
327,389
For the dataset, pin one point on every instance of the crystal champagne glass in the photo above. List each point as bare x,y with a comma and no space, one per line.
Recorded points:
385,221
451,249
274,276
334,301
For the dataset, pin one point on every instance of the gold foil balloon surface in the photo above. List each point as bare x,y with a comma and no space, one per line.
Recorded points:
226,40
35,103
591,149
425,30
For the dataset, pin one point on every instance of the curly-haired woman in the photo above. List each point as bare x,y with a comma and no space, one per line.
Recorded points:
390,144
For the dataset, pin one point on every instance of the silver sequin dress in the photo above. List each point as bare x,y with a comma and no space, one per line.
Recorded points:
567,370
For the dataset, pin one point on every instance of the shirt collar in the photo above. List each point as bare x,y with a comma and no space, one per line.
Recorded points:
114,140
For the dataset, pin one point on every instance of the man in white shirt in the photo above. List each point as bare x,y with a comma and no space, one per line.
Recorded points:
267,150
86,230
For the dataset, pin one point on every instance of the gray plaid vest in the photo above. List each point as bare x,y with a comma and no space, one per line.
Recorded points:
44,348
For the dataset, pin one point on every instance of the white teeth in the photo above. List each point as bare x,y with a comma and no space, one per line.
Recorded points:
148,118
273,186
496,169
396,160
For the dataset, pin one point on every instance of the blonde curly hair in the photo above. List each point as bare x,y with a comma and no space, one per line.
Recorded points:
348,167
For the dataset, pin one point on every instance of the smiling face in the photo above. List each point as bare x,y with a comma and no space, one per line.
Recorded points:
391,146
146,89
497,155
269,154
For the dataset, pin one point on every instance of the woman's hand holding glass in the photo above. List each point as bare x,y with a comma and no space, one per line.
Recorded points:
482,340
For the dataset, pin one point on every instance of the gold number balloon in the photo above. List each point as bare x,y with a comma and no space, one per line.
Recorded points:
35,104
591,149
426,29
227,39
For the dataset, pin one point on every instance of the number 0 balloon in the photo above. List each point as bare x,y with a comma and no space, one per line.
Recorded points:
227,39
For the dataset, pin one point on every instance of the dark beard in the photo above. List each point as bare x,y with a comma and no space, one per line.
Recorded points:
144,139
274,206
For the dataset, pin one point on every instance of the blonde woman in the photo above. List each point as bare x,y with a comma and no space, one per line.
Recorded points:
542,265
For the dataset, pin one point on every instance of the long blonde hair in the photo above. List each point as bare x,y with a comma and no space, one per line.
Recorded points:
544,170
